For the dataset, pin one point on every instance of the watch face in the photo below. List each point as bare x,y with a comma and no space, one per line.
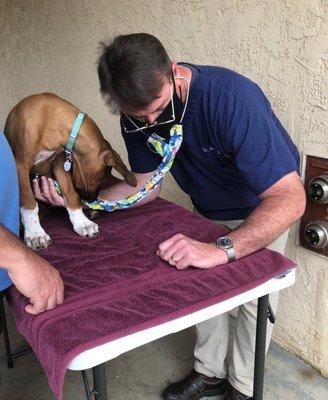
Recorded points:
224,242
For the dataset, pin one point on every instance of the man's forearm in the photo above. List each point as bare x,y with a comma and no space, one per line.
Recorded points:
268,221
12,251
121,190
32,275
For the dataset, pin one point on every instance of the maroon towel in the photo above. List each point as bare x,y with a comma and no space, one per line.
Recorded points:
116,285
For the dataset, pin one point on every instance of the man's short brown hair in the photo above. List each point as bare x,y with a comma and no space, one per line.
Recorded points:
131,71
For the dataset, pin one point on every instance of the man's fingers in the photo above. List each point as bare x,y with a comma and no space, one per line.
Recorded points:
30,309
52,190
60,297
35,308
36,189
179,254
171,262
49,193
60,293
45,187
55,299
168,243
51,302
184,263
172,250
165,245
56,199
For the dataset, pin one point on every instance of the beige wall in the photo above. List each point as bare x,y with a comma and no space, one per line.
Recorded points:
281,44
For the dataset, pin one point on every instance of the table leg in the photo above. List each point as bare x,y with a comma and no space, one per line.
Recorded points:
100,382
261,329
86,385
4,326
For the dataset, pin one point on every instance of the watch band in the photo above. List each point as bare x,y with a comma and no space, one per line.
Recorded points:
230,253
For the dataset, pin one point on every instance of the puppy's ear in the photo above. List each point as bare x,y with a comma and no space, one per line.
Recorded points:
112,159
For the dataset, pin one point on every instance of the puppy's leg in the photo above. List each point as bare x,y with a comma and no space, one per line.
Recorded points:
35,236
81,224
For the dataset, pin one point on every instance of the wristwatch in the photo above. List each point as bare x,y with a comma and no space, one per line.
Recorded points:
225,244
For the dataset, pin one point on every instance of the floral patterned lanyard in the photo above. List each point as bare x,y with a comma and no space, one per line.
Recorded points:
167,150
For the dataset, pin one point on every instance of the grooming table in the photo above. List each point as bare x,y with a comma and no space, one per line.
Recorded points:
119,295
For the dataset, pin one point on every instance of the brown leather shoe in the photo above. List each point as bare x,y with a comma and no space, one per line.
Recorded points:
194,387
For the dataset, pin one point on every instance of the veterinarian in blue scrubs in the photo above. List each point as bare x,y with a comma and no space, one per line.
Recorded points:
32,275
236,162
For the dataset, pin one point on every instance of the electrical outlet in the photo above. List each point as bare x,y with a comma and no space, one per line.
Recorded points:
314,223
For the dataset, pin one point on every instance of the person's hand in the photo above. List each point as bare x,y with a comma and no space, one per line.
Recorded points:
40,283
45,190
183,252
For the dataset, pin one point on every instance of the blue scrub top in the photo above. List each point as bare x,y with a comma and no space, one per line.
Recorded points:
234,147
9,198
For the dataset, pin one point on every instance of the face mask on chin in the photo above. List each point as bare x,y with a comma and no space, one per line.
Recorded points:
163,130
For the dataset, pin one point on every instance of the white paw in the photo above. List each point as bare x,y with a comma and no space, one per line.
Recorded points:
35,236
86,229
81,224
37,241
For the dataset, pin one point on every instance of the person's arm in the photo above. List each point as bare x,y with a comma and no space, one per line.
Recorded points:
46,191
34,277
121,190
281,205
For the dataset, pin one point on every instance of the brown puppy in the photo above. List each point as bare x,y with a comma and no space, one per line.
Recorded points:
37,129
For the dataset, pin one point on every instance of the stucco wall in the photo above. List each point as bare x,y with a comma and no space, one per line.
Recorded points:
282,45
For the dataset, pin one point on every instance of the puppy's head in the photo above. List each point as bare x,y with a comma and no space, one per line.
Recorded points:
90,169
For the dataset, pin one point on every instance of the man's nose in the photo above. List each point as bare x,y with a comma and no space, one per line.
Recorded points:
150,119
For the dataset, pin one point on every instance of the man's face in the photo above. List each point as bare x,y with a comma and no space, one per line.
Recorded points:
151,113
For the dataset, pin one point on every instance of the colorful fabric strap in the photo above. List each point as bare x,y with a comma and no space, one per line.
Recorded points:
166,150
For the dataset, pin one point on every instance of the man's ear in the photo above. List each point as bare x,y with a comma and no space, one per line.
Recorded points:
174,67
112,159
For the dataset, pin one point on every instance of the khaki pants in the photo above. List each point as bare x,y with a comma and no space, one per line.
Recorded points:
213,337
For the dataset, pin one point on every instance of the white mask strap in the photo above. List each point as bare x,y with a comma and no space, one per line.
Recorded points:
187,97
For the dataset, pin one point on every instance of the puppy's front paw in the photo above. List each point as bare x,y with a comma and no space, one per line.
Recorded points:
35,236
37,240
88,228
81,224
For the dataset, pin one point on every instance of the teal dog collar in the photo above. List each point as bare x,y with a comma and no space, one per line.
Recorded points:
71,141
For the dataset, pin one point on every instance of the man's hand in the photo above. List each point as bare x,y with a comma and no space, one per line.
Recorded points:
39,282
183,252
45,190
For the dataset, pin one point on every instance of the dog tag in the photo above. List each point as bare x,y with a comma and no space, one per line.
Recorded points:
67,165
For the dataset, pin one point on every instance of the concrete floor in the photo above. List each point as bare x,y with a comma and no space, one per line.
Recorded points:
141,374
